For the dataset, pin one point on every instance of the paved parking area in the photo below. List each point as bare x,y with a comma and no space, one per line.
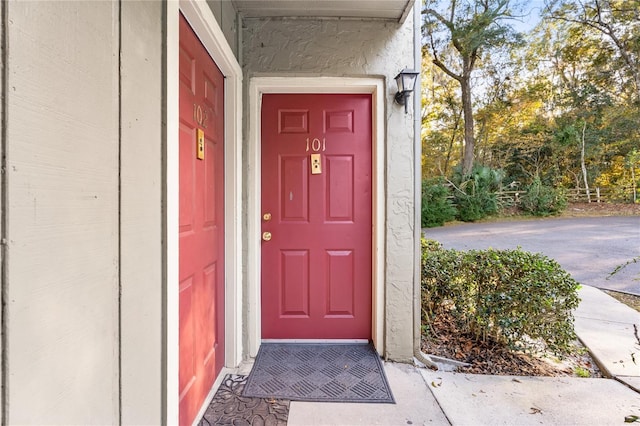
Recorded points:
588,248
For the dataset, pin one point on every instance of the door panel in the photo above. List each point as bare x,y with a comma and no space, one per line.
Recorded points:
316,269
341,289
294,178
294,285
201,232
340,195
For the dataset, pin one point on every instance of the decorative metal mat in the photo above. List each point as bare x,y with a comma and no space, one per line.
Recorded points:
319,372
229,407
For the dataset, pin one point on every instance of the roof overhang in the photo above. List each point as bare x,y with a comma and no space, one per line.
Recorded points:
388,10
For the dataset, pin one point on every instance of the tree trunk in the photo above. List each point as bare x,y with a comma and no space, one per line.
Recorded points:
469,138
633,182
454,133
583,165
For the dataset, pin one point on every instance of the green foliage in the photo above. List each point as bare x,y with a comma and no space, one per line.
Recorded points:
574,85
475,197
581,372
542,200
513,297
437,208
460,37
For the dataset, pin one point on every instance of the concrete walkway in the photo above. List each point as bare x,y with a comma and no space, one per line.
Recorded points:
425,397
606,327
611,331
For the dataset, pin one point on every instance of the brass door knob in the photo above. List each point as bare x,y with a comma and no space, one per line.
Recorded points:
266,236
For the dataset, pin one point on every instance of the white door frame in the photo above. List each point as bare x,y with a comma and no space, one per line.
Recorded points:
199,15
285,84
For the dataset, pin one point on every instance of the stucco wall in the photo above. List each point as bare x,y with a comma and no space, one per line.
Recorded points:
275,47
62,190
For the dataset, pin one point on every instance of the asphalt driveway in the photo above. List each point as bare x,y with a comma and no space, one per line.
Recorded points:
588,248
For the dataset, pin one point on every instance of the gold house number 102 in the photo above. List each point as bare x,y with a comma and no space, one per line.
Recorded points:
316,145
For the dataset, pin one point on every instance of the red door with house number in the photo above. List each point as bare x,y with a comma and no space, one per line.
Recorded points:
201,234
316,216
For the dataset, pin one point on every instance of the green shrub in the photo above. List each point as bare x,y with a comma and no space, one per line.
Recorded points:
542,200
476,206
513,297
437,208
475,197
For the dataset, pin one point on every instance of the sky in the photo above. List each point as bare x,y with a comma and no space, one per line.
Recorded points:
531,12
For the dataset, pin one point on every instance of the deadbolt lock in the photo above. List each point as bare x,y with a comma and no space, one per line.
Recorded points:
266,217
266,236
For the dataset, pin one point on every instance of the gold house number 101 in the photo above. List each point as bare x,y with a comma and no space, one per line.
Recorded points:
315,145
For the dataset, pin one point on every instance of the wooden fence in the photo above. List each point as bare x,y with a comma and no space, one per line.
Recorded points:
598,195
603,195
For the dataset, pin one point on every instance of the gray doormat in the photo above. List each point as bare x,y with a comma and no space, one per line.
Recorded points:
319,372
229,407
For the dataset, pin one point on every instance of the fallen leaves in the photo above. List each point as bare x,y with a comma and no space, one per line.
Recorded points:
446,340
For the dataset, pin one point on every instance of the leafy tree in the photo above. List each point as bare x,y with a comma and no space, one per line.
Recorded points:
633,162
562,109
442,129
589,121
458,33
616,21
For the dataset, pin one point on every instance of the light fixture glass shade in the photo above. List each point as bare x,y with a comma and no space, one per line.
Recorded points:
406,80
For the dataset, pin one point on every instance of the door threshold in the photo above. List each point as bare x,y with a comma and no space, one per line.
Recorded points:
315,341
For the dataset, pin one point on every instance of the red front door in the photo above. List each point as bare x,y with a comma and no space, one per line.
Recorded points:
316,185
201,224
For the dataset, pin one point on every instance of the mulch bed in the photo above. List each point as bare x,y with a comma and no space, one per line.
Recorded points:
446,340
630,300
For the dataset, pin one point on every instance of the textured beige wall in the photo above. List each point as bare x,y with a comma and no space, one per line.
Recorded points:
62,188
141,213
274,47
85,174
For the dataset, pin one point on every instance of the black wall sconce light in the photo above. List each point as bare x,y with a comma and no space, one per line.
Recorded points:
406,81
